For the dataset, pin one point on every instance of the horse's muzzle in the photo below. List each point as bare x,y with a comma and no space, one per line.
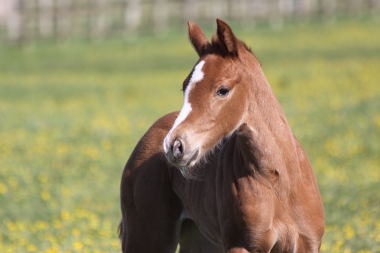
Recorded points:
176,154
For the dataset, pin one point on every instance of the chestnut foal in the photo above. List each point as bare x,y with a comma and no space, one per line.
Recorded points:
235,178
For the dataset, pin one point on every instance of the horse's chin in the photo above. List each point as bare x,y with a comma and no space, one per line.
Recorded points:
187,161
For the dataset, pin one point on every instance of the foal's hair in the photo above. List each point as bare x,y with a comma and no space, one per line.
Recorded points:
218,48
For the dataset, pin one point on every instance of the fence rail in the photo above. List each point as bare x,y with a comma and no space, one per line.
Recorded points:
26,20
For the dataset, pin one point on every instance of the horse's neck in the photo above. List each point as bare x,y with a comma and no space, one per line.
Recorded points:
267,143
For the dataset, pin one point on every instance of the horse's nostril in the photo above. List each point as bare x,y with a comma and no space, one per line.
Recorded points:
178,149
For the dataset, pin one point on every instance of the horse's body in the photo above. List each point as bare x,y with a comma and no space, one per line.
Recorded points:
235,179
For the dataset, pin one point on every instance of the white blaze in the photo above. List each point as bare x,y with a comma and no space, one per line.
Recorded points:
186,108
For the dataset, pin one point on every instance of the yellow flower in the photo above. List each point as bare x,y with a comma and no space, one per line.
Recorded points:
11,226
76,232
31,247
349,231
51,250
66,192
377,238
43,178
106,144
65,215
3,188
57,224
42,225
78,245
115,243
13,182
45,195
62,149
377,120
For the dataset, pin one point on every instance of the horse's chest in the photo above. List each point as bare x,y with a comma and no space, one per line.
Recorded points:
200,205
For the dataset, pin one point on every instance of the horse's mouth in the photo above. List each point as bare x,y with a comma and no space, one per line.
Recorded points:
185,161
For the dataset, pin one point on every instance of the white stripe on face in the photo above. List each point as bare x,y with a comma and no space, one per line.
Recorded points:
186,108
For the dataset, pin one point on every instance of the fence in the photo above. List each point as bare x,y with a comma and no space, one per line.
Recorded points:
26,20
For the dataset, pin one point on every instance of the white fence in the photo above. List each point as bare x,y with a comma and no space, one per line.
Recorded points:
25,20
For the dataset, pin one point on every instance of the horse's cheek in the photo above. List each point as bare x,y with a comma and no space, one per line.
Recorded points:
237,107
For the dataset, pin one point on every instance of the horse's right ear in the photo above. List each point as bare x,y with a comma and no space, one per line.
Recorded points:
198,39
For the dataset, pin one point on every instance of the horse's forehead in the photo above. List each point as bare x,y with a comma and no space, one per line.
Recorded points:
214,61
197,74
209,67
203,70
215,66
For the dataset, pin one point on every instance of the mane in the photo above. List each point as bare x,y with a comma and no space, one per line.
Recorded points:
218,48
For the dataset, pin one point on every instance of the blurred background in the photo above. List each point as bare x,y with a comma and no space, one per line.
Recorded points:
28,20
81,81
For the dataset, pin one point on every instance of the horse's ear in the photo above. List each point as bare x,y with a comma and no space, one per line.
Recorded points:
198,39
227,37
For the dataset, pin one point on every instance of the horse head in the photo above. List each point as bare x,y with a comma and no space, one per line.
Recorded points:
218,95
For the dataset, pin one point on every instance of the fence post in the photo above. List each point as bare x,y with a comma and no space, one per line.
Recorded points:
100,18
3,11
260,9
277,14
15,21
238,9
329,8
219,9
160,16
189,9
59,18
45,17
63,18
355,6
132,15
286,7
374,6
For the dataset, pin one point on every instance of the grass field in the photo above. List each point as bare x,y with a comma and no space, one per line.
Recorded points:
70,115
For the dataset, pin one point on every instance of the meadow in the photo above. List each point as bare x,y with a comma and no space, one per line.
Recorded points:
71,113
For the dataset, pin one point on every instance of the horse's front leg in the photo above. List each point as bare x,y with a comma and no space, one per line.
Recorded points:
193,241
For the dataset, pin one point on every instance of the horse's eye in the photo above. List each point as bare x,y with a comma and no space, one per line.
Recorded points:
222,92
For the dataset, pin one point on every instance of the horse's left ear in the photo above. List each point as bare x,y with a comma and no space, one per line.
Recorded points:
198,39
227,37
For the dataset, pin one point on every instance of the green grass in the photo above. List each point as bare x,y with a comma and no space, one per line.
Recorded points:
70,115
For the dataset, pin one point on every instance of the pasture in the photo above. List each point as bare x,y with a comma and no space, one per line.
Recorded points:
71,113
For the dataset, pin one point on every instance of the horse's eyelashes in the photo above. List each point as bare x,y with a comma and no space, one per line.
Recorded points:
222,92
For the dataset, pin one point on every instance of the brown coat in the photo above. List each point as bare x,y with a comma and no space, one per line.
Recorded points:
235,178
